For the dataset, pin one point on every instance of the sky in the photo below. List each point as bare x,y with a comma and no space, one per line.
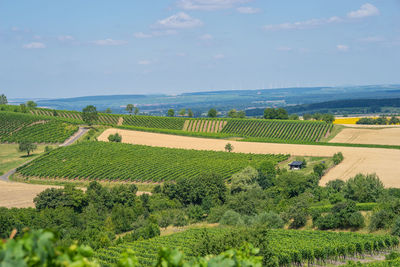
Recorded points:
51,49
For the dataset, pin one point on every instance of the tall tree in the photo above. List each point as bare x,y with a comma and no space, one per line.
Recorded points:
89,114
3,100
26,146
170,112
108,110
23,108
190,113
129,108
232,113
136,112
31,104
182,112
212,113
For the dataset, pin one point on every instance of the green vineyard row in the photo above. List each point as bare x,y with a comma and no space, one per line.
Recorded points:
17,127
286,130
291,247
296,131
116,161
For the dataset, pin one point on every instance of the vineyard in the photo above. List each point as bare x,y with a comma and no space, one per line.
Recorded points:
260,129
277,129
291,247
103,118
154,122
116,161
16,127
204,126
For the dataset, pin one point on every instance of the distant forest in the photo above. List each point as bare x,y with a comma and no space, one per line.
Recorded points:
348,105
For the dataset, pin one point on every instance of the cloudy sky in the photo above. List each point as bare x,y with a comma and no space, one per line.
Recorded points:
73,48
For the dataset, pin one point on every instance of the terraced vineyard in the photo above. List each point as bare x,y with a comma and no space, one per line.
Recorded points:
59,113
290,246
277,129
154,122
204,125
116,161
103,118
16,127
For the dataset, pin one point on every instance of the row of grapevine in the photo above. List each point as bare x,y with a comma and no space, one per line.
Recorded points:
146,250
291,247
204,125
116,161
16,127
12,122
154,122
284,130
48,132
59,113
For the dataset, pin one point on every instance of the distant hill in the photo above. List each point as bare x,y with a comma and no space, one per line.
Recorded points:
343,106
251,100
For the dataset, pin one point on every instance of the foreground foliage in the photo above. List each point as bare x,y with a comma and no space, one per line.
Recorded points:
38,248
278,247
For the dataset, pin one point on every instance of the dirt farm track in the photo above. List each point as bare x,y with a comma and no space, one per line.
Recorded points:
384,162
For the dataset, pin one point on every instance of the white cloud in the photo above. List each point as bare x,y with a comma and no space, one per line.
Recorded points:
209,4
141,35
179,21
342,47
300,25
206,37
365,10
181,54
65,38
109,42
248,10
34,45
219,56
144,62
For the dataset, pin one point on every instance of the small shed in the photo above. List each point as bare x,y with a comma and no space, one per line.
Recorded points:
296,165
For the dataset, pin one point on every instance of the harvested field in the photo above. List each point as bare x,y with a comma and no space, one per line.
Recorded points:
383,162
19,195
372,135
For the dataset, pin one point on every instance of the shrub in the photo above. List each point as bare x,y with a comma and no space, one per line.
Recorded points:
216,214
231,218
268,219
396,227
337,158
363,188
115,138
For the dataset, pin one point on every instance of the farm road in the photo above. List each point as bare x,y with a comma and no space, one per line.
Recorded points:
383,162
5,177
76,136
20,195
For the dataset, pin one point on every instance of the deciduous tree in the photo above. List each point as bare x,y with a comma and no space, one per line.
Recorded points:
26,146
89,114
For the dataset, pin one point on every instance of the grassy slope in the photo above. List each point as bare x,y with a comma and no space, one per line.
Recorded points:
10,158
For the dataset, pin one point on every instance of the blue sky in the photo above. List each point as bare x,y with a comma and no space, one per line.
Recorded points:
74,48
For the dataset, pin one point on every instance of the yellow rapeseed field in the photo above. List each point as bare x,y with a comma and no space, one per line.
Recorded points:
346,120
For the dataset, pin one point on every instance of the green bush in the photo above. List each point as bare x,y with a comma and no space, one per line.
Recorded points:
231,218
